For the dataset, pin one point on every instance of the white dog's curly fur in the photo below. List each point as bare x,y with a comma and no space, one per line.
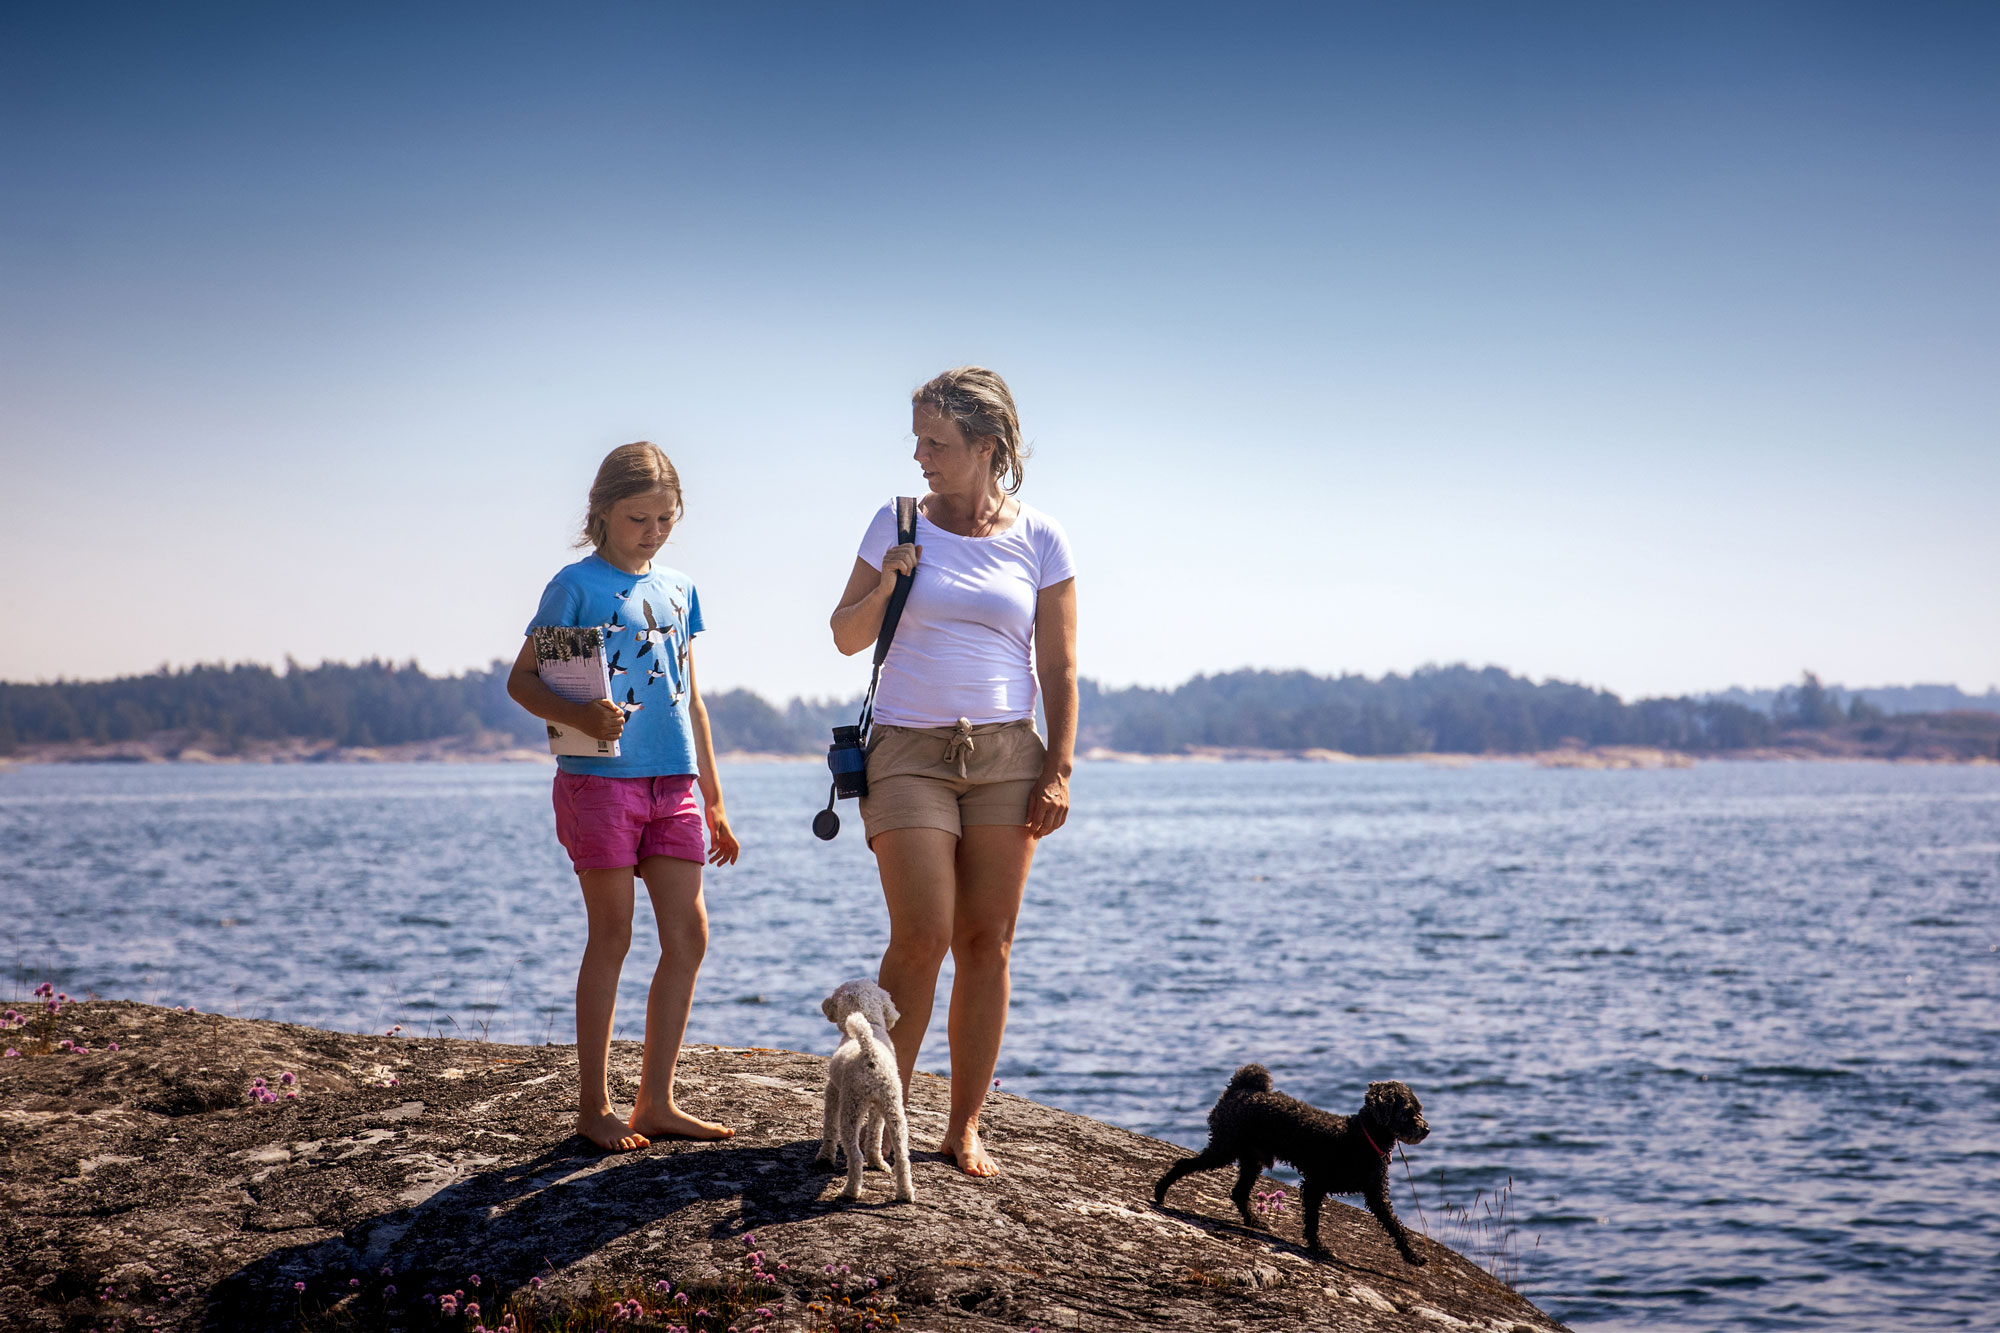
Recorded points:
863,1093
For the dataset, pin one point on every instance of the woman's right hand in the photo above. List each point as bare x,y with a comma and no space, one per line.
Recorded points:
602,720
898,560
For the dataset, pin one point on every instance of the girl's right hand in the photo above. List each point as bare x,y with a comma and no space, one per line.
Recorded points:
602,720
898,560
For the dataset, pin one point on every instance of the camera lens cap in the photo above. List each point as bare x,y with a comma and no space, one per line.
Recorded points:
825,825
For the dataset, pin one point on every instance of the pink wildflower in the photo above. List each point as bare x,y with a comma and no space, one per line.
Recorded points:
389,1290
12,1054
298,1286
112,1047
353,1283
287,1078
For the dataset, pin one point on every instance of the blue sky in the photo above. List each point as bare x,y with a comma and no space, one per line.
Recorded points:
1649,346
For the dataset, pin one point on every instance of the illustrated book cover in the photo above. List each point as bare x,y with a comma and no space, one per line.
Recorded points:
571,662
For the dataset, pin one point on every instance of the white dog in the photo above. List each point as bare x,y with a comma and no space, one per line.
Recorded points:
863,1093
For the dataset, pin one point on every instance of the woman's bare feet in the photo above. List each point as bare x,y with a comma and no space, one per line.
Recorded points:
674,1123
603,1128
964,1151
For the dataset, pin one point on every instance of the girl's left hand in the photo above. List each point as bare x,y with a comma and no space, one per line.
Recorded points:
1048,808
722,844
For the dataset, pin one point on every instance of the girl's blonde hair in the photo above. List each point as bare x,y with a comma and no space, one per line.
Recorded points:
978,401
631,469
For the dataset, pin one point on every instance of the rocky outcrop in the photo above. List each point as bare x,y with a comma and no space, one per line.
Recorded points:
151,1187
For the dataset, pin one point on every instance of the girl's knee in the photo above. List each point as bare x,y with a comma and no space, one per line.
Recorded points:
609,938
684,939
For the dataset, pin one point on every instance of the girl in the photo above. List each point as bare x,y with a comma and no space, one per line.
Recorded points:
636,811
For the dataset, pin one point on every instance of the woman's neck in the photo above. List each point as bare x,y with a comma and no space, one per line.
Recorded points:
973,514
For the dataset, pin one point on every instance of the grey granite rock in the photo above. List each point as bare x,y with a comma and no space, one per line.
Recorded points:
150,1172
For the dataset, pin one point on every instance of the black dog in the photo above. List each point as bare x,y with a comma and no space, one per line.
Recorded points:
1335,1154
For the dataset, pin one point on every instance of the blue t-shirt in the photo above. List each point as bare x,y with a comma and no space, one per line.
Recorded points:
648,622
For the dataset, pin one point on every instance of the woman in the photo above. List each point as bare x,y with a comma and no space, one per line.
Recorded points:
960,788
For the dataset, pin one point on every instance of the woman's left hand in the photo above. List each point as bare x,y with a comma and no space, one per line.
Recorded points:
1048,807
722,844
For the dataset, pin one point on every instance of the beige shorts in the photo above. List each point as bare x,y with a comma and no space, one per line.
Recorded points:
950,777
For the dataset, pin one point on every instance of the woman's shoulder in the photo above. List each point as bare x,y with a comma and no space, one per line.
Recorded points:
1039,525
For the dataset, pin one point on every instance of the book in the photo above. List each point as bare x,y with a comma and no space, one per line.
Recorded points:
571,662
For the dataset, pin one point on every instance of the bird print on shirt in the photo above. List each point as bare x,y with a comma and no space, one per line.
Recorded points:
661,646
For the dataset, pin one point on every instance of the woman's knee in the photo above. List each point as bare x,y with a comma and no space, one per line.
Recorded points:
984,949
918,945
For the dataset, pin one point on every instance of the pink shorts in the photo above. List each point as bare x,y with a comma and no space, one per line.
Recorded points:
608,823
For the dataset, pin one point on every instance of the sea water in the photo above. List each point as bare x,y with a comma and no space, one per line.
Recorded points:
1707,1048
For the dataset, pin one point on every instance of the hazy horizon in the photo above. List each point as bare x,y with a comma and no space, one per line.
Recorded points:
1649,347
282,665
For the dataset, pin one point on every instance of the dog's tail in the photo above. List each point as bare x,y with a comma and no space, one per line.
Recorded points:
1250,1078
856,1027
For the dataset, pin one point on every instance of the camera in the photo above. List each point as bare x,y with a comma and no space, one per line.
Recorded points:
848,762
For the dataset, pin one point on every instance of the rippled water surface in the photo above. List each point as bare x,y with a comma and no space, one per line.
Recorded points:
1732,1032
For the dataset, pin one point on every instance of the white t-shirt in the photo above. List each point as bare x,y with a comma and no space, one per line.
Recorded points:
964,647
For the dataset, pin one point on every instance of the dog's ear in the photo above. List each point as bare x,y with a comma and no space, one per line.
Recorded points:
891,1014
1391,1097
826,1007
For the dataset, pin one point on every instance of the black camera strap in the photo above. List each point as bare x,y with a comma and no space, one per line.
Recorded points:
906,535
826,824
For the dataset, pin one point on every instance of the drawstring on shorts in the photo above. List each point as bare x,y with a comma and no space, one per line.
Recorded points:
960,744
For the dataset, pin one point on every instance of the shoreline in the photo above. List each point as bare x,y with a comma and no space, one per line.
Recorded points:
454,751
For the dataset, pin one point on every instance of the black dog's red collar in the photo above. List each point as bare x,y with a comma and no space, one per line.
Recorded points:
1371,1138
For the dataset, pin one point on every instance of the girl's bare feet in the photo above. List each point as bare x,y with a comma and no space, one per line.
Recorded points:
603,1128
964,1151
671,1122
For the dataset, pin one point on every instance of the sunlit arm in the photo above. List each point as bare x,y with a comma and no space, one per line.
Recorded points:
1055,669
723,847
600,720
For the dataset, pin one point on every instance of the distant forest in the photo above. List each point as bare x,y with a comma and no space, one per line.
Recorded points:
1453,709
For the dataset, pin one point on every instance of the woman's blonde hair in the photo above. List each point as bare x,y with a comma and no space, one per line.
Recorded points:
977,400
630,469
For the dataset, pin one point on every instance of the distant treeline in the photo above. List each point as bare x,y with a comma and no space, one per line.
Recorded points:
1891,700
1453,709
369,703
